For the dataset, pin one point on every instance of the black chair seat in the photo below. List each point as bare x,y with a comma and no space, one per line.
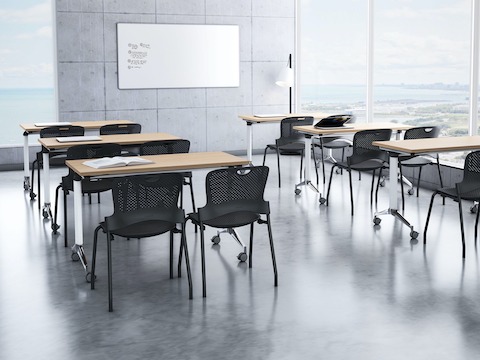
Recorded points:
142,229
368,165
417,161
232,220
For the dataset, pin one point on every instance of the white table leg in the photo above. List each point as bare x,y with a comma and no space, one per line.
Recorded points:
77,249
26,163
307,163
47,212
249,141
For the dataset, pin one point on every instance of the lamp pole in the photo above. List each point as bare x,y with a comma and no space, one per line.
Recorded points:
290,87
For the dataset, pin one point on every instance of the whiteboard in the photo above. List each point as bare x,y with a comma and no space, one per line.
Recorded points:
152,56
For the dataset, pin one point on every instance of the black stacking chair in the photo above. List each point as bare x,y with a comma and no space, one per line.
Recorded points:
179,146
89,186
144,206
332,143
467,189
290,141
119,129
235,199
57,157
365,157
419,161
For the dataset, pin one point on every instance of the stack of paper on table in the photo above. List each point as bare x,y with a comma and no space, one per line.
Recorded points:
108,162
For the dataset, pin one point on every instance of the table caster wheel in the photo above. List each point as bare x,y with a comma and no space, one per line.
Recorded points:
88,277
414,234
410,191
33,196
322,200
216,239
242,257
298,191
75,257
474,209
377,220
45,214
382,183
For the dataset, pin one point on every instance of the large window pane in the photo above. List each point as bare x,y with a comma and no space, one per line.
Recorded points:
26,74
422,54
333,56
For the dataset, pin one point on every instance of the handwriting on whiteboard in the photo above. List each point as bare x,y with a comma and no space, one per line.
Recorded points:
137,55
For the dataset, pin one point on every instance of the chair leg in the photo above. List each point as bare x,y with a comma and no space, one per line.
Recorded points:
378,185
351,188
171,254
428,217
278,166
65,220
476,228
38,185
329,184
202,251
301,164
32,192
109,261
440,175
372,186
323,159
193,200
187,262
418,180
94,257
251,246
315,162
55,226
272,250
401,185
460,212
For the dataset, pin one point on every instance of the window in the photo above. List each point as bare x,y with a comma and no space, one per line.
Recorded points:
26,66
421,63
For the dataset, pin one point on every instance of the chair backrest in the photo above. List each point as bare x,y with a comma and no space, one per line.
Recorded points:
92,151
243,187
471,169
178,146
422,132
288,134
363,147
62,131
116,129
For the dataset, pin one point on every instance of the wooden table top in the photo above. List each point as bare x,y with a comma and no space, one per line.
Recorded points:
440,144
280,117
123,139
90,125
166,162
351,128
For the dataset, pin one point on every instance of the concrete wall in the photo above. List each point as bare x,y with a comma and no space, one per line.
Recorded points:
208,117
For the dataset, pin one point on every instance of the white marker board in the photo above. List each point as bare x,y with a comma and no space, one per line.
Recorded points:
152,56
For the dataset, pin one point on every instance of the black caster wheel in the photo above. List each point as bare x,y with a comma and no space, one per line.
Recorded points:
474,209
45,214
322,200
337,171
377,220
55,227
26,186
75,257
242,257
298,191
88,277
414,234
410,191
382,183
33,196
216,239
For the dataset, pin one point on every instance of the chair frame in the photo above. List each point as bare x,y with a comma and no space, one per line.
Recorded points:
144,214
365,157
235,199
289,140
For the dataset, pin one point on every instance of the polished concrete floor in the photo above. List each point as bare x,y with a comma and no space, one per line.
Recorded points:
347,289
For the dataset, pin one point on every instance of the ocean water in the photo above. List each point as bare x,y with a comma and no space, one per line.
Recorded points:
19,106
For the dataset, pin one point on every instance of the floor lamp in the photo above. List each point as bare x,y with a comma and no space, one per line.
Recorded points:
285,79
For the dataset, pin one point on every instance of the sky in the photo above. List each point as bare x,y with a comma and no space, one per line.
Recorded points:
416,41
26,49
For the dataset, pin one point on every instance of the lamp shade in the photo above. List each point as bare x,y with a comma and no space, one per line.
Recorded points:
285,77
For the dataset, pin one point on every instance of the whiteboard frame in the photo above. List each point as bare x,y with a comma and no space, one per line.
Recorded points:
198,56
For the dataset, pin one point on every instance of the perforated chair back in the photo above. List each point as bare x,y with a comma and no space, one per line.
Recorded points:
422,132
363,147
117,129
179,146
288,134
470,184
62,131
141,201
